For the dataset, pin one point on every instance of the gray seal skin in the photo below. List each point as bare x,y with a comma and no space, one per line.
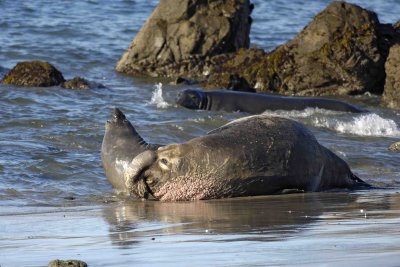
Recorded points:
256,155
121,144
255,103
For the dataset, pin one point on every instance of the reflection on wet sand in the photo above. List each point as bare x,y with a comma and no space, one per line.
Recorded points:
266,218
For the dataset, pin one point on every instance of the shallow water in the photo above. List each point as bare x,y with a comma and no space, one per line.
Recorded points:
55,201
330,229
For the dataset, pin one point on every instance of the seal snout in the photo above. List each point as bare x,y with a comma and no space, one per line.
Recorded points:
117,115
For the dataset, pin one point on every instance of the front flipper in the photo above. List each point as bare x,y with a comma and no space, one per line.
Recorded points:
137,165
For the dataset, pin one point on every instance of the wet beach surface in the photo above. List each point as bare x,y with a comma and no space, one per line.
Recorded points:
55,201
315,229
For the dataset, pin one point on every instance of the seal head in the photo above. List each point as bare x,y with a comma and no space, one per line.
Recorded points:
192,99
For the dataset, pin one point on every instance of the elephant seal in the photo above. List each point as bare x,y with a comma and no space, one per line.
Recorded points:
121,143
255,103
256,155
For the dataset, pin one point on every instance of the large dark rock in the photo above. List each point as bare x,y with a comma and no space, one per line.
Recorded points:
391,95
342,51
181,36
33,73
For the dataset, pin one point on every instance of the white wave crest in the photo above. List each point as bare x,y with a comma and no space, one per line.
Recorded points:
307,112
363,125
157,98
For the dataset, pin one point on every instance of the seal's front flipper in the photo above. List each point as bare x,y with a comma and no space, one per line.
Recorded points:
137,165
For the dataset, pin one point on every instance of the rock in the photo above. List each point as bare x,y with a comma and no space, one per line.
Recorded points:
181,80
395,146
79,83
181,36
232,82
396,26
67,263
238,83
33,73
342,51
391,95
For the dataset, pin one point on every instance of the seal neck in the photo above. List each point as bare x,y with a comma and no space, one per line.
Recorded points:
140,141
205,102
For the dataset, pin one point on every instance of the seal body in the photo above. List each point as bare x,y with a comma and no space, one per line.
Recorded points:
121,144
257,155
255,103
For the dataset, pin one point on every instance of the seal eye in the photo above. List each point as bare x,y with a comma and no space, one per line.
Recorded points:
164,164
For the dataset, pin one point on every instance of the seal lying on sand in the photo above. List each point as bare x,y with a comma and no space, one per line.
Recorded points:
251,156
256,103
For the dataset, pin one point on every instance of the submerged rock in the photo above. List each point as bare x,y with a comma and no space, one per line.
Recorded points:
342,51
391,95
67,263
180,36
79,83
33,73
395,146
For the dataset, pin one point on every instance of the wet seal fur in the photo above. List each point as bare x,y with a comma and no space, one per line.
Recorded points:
256,155
256,103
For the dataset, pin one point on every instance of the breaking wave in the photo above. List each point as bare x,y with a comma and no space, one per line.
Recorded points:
363,125
368,124
157,98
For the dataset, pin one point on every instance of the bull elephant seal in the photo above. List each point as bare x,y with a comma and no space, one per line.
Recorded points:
121,143
257,155
255,103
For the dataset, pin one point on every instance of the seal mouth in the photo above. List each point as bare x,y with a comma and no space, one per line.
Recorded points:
117,115
148,194
142,188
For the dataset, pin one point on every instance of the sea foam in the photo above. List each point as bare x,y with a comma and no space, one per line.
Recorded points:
369,124
157,98
363,125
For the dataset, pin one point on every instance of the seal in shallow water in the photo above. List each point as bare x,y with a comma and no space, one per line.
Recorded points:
257,155
121,143
255,103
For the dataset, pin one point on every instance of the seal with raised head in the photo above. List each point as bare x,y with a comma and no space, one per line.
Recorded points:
256,103
256,155
121,144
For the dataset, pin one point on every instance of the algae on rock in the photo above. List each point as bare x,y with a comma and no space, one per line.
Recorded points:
33,73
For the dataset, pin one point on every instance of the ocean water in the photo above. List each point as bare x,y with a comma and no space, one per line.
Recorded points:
55,201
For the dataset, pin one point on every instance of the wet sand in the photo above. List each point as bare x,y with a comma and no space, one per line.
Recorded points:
316,229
